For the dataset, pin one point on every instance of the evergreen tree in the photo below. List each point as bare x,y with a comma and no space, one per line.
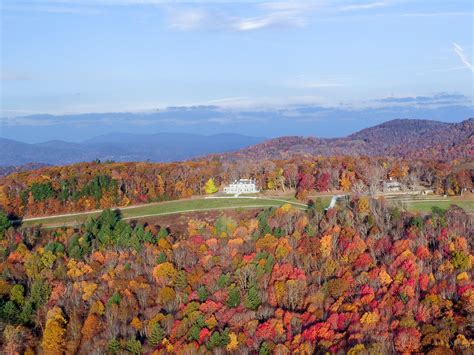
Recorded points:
9,312
4,224
114,346
156,335
252,300
181,281
202,293
134,346
264,350
223,280
233,300
42,191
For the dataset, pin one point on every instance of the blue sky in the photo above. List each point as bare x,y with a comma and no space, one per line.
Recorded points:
73,56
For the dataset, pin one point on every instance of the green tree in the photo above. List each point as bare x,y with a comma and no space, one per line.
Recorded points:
42,191
181,280
156,335
115,298
134,346
264,350
98,185
223,280
161,258
17,294
460,260
218,339
252,299
4,224
9,311
26,314
39,293
193,333
233,300
202,293
113,347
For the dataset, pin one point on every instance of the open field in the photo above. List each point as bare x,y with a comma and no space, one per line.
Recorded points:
426,206
167,208
415,204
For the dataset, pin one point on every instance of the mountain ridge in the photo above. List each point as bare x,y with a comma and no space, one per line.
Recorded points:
403,138
122,147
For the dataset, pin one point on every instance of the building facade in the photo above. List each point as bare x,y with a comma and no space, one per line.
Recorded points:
242,186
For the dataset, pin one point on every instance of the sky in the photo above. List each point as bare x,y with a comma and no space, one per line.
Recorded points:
96,56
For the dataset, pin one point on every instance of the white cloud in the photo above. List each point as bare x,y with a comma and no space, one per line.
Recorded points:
269,103
464,59
188,15
364,6
282,18
187,19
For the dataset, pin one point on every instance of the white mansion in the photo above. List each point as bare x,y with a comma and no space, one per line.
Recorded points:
242,186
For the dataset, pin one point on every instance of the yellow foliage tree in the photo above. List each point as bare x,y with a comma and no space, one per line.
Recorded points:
167,294
267,243
88,289
233,342
369,318
53,336
384,278
165,273
357,349
166,343
210,187
363,205
345,181
98,308
136,323
279,290
326,245
211,322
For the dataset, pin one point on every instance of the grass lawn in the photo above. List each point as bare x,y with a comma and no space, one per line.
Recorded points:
425,206
170,207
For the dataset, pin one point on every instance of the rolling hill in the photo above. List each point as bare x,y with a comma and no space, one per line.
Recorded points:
404,138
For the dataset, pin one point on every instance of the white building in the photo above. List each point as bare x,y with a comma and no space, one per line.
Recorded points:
242,186
392,186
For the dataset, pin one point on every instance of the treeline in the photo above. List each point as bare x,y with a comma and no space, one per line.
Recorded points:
95,185
364,278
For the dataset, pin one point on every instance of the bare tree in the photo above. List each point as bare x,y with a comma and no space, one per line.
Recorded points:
359,188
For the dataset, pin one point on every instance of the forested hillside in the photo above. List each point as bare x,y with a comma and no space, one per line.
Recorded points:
403,138
7,170
364,278
89,186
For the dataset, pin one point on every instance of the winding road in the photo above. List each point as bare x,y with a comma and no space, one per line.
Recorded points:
64,219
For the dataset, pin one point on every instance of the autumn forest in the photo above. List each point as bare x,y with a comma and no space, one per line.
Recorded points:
366,277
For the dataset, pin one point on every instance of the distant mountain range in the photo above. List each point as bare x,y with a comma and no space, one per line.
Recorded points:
404,138
397,138
162,147
291,120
